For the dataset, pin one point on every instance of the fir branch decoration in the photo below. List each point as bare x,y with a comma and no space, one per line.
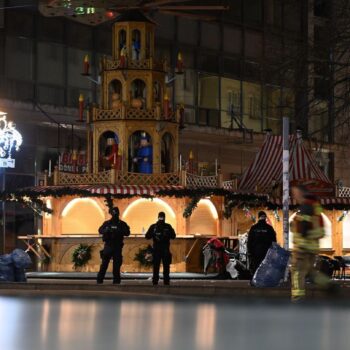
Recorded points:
145,256
81,255
109,202
191,206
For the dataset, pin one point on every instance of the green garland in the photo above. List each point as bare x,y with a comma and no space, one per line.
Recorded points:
31,197
191,206
81,255
144,256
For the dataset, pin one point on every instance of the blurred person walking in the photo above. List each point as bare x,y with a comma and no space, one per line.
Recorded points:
308,229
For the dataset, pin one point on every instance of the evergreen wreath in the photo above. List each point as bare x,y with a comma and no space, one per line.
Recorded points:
81,255
145,256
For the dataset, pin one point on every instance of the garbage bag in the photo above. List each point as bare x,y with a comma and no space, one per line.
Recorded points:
231,268
20,275
271,271
21,259
6,268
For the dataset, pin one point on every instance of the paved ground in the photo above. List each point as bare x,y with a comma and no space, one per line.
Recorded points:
227,289
127,322
191,314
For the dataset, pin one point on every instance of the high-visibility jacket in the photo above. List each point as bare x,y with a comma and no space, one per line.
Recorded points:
308,227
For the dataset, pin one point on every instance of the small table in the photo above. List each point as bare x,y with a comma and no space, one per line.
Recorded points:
33,244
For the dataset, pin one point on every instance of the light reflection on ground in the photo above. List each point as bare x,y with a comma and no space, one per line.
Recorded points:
97,324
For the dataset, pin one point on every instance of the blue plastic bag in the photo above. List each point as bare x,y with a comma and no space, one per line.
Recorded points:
20,275
20,259
6,268
271,271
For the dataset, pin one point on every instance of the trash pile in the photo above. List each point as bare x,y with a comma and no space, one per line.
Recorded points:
13,265
273,268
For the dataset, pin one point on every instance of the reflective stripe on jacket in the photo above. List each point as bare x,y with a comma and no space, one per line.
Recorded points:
308,227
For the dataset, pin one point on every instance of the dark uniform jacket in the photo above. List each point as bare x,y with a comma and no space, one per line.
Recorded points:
161,233
113,232
260,238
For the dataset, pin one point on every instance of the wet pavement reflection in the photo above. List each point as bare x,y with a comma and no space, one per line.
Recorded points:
123,323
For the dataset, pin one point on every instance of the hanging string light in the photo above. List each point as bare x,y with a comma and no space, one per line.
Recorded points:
276,215
249,214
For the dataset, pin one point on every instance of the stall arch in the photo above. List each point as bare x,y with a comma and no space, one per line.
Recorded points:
143,212
82,216
204,219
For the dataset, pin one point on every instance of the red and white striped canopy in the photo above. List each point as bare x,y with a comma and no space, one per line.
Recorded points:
325,201
129,189
267,165
111,189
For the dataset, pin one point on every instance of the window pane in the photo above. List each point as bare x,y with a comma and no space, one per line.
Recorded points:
208,91
187,31
190,116
253,11
252,70
51,95
253,44
210,36
18,57
184,87
79,35
16,89
50,29
19,23
208,63
234,12
232,40
230,102
272,108
252,114
50,63
232,66
202,117
213,118
166,26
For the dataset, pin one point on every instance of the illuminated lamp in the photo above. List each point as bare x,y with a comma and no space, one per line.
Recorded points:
179,64
109,14
86,66
81,108
166,106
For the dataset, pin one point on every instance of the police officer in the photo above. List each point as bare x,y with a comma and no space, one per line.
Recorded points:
260,238
113,232
308,229
161,233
